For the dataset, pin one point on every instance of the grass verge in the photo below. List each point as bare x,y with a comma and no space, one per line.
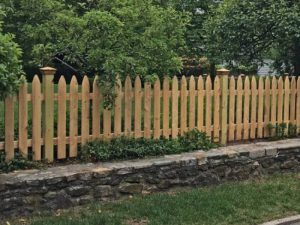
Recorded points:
242,203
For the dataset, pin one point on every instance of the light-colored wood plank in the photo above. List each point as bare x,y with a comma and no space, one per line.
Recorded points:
166,113
239,109
175,107
85,111
128,106
137,107
156,96
253,108
48,117
147,110
62,118
280,101
200,108
118,108
246,108
286,109
9,128
73,126
23,120
192,94
267,107
37,121
293,101
260,111
298,106
208,109
106,123
224,106
274,104
183,106
216,111
231,127
96,109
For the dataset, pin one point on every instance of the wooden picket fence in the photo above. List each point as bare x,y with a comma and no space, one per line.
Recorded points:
227,109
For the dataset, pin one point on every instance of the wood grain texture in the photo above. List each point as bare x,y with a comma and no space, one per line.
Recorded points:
73,133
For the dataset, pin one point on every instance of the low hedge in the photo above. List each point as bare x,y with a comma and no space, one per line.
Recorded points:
130,148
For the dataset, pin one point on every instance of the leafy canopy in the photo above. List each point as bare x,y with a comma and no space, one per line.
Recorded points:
247,32
10,64
107,37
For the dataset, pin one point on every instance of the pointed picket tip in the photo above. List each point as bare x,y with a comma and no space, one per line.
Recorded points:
74,80
62,81
128,80
157,83
183,80
137,81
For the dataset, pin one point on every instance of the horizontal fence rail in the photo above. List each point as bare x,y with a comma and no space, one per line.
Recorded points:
54,122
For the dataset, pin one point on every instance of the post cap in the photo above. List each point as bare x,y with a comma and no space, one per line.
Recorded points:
48,71
222,72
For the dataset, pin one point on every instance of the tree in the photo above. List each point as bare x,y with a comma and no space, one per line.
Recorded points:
244,32
107,37
10,64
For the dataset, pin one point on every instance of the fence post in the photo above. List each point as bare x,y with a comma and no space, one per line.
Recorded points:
48,112
223,75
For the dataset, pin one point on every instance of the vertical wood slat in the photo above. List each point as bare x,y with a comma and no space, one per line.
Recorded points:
23,118
174,107
286,109
9,128
224,106
267,107
137,107
231,108
37,121
260,112
183,106
246,108
208,110
253,108
239,108
166,113
298,105
216,111
192,103
200,107
85,111
106,123
96,109
293,101
156,96
118,109
128,106
280,101
274,104
73,133
147,110
61,120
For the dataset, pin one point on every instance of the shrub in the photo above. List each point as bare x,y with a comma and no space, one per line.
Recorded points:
18,163
130,148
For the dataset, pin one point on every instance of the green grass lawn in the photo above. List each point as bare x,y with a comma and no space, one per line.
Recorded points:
251,202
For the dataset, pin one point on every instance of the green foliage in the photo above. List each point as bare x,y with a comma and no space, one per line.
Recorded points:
130,148
10,64
282,131
18,163
100,37
244,32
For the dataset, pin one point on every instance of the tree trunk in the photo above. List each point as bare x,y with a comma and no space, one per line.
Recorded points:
297,60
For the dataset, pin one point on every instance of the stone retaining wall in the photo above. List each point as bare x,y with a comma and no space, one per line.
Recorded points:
26,192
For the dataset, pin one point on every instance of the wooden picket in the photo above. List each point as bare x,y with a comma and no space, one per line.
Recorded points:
62,113
200,110
208,107
149,111
166,113
23,119
231,127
